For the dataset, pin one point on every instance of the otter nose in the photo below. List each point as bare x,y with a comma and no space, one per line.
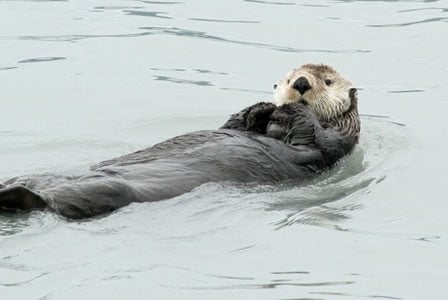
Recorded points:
302,85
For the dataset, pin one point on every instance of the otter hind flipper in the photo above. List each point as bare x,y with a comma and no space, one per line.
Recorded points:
19,198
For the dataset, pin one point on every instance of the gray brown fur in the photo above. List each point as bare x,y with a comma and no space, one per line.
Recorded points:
263,143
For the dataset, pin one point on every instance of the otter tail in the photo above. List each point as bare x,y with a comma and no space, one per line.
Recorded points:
19,198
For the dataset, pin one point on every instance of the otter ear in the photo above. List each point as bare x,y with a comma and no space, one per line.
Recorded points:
275,86
353,95
352,92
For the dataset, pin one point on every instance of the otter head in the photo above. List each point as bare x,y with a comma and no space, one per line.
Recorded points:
321,88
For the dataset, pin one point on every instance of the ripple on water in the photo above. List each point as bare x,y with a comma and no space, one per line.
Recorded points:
201,71
152,14
203,83
27,224
176,31
429,20
40,0
40,59
406,91
224,21
355,295
117,7
183,81
208,212
271,2
441,9
161,2
204,35
329,198
325,200
7,68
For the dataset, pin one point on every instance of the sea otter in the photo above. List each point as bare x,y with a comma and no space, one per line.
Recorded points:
311,123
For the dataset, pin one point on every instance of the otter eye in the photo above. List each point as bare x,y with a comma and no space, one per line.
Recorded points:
275,86
328,81
287,82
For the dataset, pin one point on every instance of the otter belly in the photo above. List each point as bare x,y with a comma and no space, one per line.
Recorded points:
164,171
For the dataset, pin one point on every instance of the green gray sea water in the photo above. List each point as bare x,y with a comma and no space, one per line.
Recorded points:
82,81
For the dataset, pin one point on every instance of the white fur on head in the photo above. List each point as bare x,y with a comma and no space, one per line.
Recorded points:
328,96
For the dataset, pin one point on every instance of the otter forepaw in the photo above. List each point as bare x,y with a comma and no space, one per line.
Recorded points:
290,112
259,116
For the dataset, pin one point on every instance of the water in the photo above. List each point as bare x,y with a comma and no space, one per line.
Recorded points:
83,81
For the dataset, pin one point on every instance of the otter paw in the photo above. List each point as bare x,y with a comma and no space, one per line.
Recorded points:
19,198
259,116
289,111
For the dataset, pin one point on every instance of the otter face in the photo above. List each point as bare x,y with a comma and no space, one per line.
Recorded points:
320,87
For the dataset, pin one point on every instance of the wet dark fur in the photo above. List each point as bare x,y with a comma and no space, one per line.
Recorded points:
262,143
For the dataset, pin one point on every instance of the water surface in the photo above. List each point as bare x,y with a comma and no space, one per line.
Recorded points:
84,81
